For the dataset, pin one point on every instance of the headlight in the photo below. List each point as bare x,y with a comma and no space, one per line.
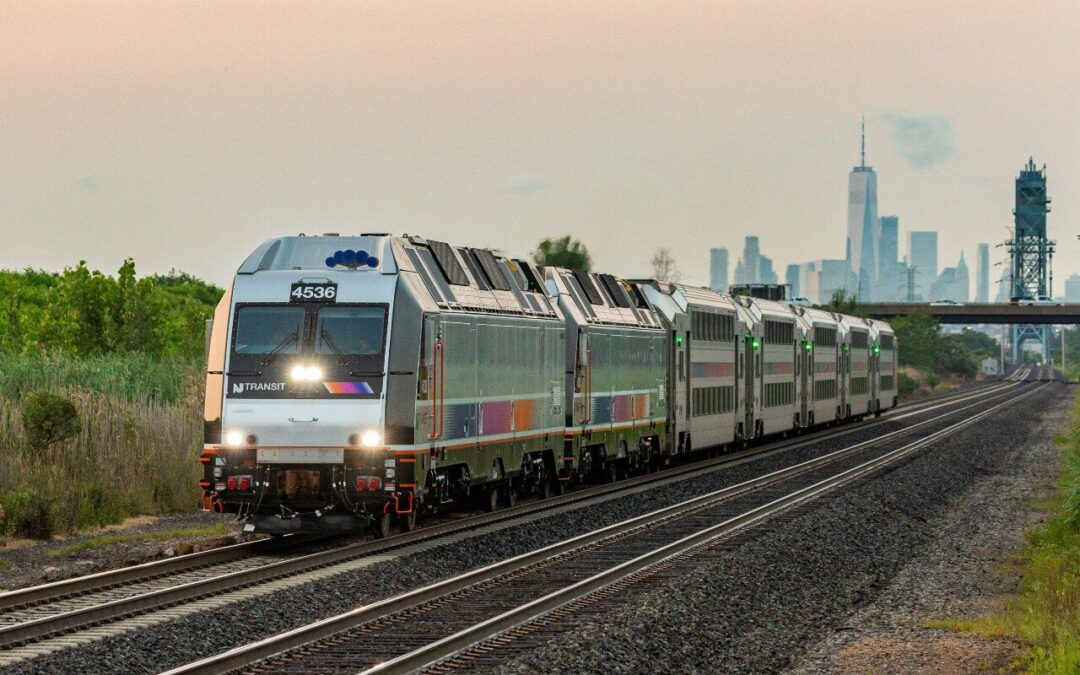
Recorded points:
306,373
234,438
371,439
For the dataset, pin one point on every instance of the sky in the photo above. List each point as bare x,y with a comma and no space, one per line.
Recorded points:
185,134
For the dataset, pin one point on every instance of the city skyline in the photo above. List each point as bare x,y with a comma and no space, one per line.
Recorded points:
186,138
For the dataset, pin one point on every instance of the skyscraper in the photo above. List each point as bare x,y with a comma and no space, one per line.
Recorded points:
1072,288
718,264
952,284
791,278
863,225
922,254
748,269
766,273
982,274
890,271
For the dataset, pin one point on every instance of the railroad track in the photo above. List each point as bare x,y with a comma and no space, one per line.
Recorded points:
51,617
453,618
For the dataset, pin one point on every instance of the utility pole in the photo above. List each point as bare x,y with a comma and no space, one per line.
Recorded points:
1001,359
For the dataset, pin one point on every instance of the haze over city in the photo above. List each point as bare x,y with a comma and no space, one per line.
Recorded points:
185,137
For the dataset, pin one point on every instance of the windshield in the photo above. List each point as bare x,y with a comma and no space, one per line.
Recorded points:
350,331
262,330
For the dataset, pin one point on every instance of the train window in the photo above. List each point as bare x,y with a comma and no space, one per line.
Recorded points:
448,263
824,336
779,393
859,385
888,341
262,329
858,339
350,331
887,382
824,390
779,332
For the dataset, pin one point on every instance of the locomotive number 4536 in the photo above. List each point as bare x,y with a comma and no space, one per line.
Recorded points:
313,292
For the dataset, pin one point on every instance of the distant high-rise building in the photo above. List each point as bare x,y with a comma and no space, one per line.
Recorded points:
1072,288
718,263
752,265
982,274
922,254
833,276
952,284
1004,285
766,273
791,278
890,271
863,225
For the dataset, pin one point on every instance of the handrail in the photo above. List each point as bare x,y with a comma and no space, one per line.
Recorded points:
438,390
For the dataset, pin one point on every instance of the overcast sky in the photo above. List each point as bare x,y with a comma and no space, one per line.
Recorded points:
184,135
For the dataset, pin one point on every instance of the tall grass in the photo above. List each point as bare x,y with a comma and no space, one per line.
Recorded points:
1046,613
131,377
137,450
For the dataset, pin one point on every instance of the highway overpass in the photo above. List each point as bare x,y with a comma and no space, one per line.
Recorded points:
970,313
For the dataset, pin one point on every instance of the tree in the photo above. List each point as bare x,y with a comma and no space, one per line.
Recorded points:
563,252
917,337
843,303
663,266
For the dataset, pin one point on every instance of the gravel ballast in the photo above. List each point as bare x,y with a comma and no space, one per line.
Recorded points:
177,642
760,605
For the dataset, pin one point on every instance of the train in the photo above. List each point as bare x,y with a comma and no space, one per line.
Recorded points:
358,382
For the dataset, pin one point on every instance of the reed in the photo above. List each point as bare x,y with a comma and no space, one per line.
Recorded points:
137,452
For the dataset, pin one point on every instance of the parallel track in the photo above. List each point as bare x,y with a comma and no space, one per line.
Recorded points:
415,629
35,614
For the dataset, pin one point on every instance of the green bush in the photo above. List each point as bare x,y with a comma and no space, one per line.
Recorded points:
906,384
933,380
28,515
100,505
48,418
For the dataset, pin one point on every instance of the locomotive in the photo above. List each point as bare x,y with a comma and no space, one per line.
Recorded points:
360,381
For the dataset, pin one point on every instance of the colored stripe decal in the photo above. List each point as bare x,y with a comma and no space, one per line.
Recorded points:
711,369
348,387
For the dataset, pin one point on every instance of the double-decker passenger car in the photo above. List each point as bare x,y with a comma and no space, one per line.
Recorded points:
355,381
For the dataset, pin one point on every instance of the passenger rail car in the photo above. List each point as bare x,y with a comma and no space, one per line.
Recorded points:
359,381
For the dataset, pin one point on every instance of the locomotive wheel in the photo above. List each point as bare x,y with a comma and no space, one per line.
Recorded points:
510,496
380,526
491,502
407,522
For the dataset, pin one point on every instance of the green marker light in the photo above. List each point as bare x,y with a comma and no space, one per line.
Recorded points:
678,340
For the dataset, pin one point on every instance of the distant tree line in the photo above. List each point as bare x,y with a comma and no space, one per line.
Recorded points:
83,313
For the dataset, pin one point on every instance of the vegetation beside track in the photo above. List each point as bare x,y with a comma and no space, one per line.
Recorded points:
100,396
1046,613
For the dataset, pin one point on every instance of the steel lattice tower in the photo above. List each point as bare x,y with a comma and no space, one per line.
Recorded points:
1031,253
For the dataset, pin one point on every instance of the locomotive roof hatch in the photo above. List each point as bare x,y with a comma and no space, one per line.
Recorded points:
600,298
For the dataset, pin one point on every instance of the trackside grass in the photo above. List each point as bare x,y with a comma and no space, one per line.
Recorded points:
135,452
1046,614
106,540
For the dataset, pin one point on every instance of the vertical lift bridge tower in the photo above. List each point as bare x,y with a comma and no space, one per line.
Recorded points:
1031,254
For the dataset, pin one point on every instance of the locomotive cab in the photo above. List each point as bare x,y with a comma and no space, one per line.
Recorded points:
298,382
